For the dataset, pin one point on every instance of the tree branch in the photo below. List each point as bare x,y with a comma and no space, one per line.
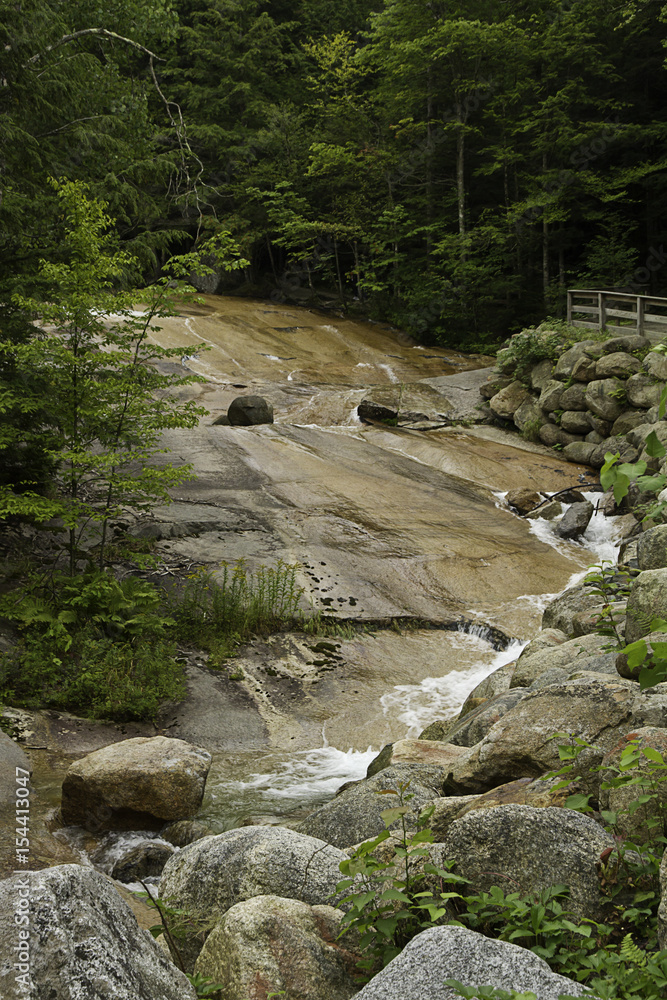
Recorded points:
100,32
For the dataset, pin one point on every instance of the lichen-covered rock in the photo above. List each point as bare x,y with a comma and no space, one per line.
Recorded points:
439,953
213,874
85,943
473,726
575,520
267,944
635,825
551,434
575,422
627,421
430,752
528,416
629,342
128,784
530,849
562,610
354,815
604,397
647,600
627,451
535,659
652,548
643,391
550,395
568,360
524,791
248,411
506,402
619,364
521,743
574,398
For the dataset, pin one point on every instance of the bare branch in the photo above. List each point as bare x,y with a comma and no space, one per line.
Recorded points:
100,32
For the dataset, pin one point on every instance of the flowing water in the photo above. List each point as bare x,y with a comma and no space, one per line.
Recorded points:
383,522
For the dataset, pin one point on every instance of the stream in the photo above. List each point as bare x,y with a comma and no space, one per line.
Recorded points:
384,522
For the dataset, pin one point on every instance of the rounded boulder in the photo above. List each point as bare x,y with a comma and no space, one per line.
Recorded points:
247,411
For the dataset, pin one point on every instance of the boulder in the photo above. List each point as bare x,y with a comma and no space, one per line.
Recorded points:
568,360
551,434
506,402
495,683
621,659
430,752
647,600
575,422
247,411
655,364
635,825
584,369
13,763
575,520
643,391
267,944
618,364
627,421
521,743
540,375
213,874
354,815
604,398
529,417
550,396
135,783
439,953
474,725
561,611
573,398
367,411
550,511
580,452
523,500
600,426
621,445
85,943
627,342
524,791
535,660
185,831
526,849
494,384
144,860
652,548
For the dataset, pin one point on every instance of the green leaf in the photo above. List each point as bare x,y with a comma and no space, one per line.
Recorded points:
654,446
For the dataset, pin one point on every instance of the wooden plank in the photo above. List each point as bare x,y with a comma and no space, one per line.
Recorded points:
622,314
569,307
581,322
623,330
594,310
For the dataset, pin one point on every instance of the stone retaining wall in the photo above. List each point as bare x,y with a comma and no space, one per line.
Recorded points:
599,396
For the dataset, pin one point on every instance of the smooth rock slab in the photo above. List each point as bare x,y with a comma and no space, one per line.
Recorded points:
525,849
85,942
213,874
120,785
268,944
440,953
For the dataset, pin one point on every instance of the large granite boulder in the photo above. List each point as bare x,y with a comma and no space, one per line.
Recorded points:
146,860
432,752
604,398
647,600
247,411
213,874
135,784
441,953
537,658
268,943
652,548
643,391
618,364
575,520
561,612
526,849
636,825
84,943
354,815
506,402
473,726
597,708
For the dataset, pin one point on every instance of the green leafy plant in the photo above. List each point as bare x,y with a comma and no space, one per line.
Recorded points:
612,585
652,665
389,900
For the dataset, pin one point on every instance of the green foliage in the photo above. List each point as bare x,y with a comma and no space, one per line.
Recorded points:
618,475
612,585
547,341
653,664
219,611
389,901
92,644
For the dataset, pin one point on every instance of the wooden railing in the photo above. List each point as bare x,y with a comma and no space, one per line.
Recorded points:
618,312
